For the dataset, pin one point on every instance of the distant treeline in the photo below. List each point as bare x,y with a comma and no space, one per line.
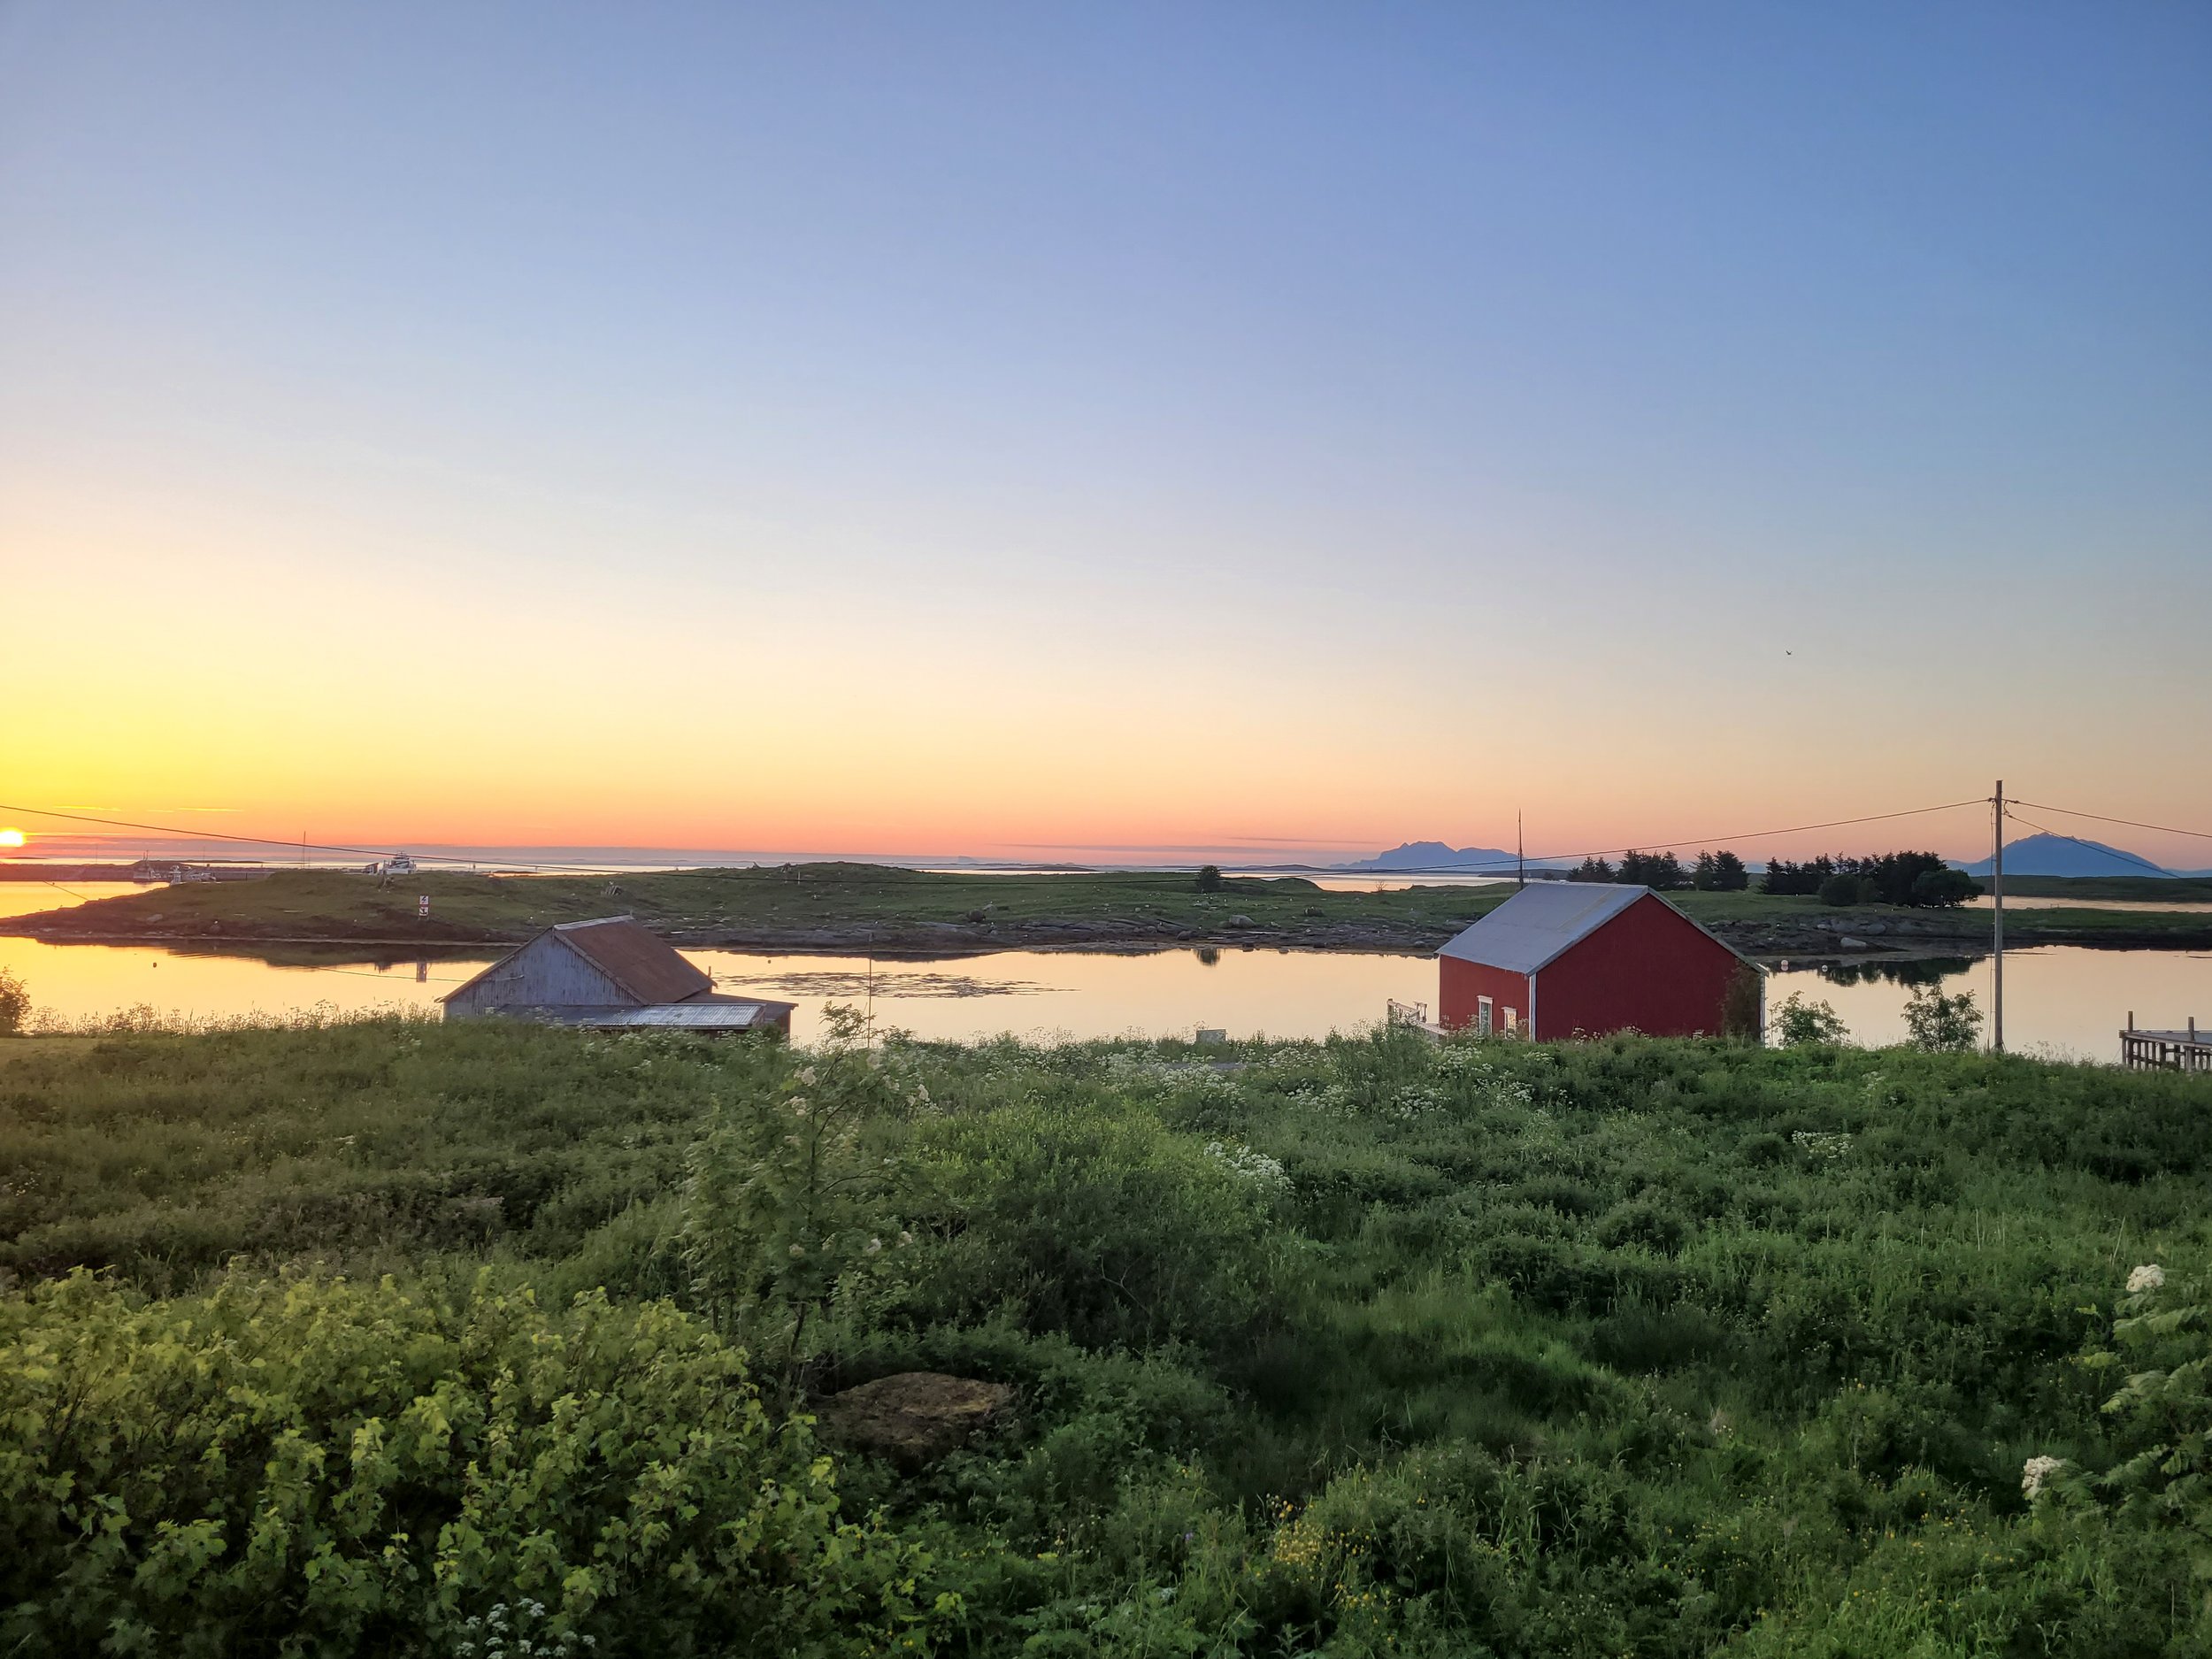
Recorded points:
1712,872
1883,878
1904,878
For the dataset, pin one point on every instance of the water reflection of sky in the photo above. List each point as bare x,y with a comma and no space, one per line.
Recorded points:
2064,999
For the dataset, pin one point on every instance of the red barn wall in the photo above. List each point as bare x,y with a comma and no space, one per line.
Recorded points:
1649,968
1460,984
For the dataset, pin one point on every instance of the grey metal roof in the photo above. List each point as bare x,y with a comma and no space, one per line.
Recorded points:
699,1014
1540,922
712,1012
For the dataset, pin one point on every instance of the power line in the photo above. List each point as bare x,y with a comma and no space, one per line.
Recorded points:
1694,840
286,841
1603,852
2163,829
2062,836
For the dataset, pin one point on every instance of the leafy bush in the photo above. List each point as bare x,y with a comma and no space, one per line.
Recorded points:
1941,1024
316,1465
1112,1229
794,1190
1352,1347
15,1002
1943,888
1842,890
1797,1022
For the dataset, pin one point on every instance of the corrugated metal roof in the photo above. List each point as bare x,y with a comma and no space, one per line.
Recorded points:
642,962
717,1013
1540,922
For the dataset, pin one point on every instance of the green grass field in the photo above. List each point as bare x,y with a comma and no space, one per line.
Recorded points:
1357,1348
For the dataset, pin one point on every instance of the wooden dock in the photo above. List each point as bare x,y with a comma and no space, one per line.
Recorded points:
2165,1051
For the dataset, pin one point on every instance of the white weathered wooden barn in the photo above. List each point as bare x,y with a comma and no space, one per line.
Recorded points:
609,975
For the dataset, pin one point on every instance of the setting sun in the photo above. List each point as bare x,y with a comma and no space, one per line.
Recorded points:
11,838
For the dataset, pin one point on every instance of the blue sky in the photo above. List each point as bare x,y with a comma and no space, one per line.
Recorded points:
1052,425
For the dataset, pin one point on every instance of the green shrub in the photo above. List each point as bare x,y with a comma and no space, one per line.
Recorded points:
1797,1023
1941,1024
317,1465
1110,1229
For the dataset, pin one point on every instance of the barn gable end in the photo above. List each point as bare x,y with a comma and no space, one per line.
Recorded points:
1650,969
1573,958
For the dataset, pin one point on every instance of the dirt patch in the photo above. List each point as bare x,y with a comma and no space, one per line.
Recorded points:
914,1418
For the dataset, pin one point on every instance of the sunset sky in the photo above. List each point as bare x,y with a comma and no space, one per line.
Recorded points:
1015,430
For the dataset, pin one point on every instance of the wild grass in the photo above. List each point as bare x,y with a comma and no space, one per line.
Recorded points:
1352,1347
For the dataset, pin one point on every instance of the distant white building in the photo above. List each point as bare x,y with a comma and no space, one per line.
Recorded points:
609,975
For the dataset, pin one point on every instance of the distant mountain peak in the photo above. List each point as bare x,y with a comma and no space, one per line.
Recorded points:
2048,855
1438,856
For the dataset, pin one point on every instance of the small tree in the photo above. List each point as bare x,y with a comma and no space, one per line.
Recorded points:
1840,890
1945,887
1800,1023
1941,1024
1209,878
15,1003
792,1198
1592,869
1662,872
1729,874
1742,1005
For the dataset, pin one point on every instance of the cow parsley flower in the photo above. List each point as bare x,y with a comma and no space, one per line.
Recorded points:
2148,1276
2036,1472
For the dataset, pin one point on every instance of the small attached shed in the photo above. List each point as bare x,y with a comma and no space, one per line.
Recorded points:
609,975
1562,958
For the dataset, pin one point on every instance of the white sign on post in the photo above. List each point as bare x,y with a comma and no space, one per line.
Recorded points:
422,904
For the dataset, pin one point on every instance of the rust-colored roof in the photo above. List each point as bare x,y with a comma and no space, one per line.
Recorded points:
642,962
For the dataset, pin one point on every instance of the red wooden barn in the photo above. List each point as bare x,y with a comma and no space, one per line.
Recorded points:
1563,958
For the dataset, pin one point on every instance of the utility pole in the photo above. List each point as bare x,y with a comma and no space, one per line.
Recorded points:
1997,921
1520,852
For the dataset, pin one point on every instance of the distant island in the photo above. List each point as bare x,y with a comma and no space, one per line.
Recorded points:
1435,855
2069,855
2041,854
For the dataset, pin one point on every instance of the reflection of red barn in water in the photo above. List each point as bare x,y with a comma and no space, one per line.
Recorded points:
1560,957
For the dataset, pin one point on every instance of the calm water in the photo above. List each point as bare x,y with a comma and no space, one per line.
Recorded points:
2060,1000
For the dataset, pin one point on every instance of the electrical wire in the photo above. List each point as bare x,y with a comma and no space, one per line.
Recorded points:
2136,858
272,840
1687,841
1603,852
2163,829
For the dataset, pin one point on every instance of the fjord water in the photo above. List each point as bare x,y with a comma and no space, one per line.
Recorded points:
2060,1000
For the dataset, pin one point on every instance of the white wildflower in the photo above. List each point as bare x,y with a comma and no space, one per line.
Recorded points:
797,1250
873,1245
2149,1277
2037,1471
1823,1143
806,1075
1255,1167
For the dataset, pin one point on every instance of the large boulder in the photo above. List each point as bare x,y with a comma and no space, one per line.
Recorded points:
914,1418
